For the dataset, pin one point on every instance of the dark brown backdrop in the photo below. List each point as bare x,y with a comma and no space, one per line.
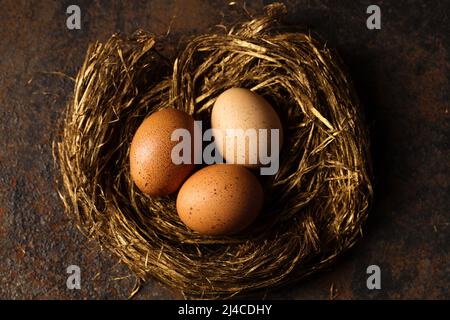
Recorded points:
402,77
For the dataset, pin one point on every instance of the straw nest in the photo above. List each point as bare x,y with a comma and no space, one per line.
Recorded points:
315,205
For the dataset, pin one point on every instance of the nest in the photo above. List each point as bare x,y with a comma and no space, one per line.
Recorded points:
315,205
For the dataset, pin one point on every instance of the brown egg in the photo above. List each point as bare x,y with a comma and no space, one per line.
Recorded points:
242,109
221,199
151,165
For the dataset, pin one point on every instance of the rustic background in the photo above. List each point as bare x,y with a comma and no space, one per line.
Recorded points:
402,76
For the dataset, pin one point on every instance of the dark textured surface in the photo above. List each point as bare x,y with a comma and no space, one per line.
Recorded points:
402,76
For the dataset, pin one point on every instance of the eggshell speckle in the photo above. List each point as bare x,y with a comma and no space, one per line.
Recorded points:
239,108
151,165
221,199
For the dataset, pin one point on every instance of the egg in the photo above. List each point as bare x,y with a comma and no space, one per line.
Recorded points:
242,109
151,165
220,199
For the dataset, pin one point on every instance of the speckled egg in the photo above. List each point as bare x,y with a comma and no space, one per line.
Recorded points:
242,109
151,165
221,199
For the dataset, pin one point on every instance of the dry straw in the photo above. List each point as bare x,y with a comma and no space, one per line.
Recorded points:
315,205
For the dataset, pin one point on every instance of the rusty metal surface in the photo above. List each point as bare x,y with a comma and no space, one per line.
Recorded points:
402,76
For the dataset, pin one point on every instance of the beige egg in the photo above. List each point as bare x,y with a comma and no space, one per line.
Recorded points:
242,109
221,199
151,165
